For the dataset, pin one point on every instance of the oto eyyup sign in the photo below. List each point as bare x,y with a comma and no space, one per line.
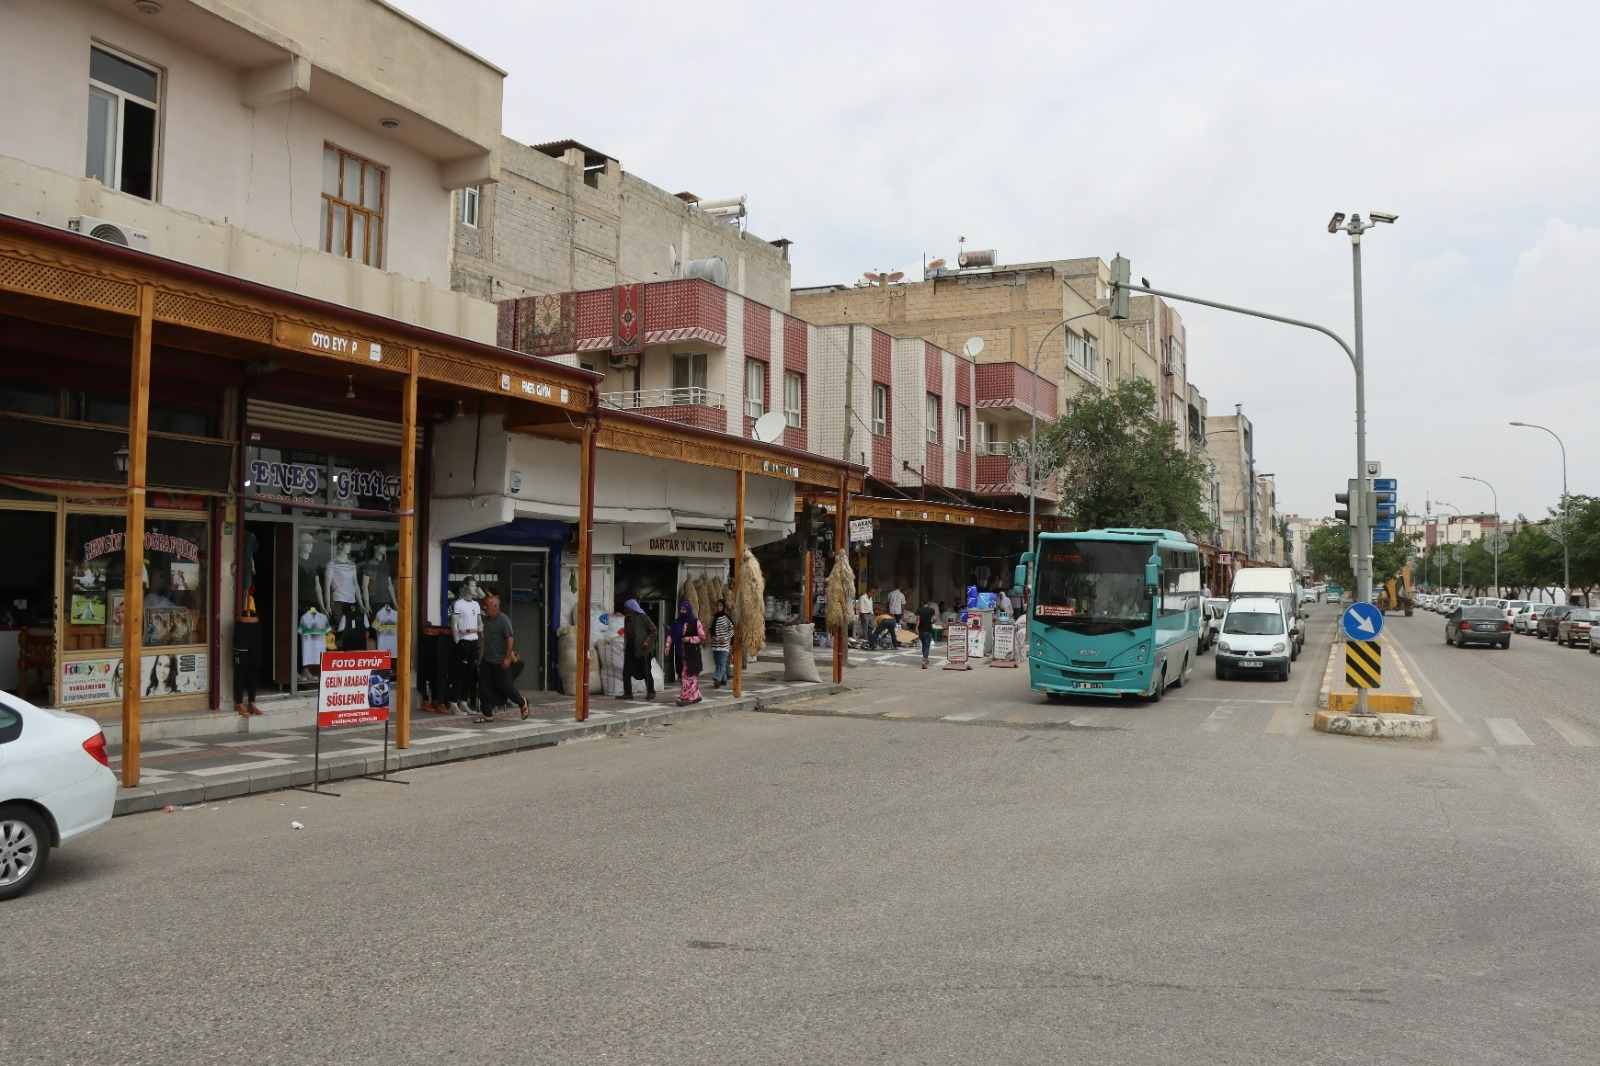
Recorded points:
354,688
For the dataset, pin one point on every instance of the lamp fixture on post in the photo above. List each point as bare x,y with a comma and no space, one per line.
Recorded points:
120,458
728,527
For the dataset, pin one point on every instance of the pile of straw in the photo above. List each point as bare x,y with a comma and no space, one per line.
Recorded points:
841,595
751,608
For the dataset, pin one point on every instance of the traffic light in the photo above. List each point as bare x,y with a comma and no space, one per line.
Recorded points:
1121,275
1351,498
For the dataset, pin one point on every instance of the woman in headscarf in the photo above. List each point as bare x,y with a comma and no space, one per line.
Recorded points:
684,639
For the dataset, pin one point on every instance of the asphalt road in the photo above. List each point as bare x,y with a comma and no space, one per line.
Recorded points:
936,868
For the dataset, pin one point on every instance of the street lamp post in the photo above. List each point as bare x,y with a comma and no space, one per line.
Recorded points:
1495,543
1363,531
1566,552
1033,420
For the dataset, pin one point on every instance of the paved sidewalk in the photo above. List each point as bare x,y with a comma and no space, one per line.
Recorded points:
185,771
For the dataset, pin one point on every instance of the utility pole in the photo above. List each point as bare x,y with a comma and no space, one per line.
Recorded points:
849,388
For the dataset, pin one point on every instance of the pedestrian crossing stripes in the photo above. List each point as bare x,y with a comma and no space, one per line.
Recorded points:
1363,663
1508,732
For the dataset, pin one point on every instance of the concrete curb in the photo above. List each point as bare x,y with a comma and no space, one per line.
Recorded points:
1386,726
513,738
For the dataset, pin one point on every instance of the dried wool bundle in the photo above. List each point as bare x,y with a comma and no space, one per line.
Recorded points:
752,613
841,595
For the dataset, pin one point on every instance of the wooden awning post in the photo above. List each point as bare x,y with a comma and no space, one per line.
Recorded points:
133,538
586,463
736,652
841,543
407,550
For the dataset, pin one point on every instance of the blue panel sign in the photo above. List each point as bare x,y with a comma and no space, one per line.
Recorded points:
1362,621
1386,484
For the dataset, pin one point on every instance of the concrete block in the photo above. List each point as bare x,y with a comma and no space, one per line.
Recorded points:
1386,726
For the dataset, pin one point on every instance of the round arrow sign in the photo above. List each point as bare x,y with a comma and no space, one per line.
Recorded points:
1362,621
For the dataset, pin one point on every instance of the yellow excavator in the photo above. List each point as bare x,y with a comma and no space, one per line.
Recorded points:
1396,593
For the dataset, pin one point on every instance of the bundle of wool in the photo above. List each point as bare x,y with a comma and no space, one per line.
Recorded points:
752,606
708,596
841,595
692,595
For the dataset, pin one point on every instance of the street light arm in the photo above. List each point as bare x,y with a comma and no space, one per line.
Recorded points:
1247,311
1566,551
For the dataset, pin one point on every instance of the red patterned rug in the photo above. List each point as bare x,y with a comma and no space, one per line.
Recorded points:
627,331
539,325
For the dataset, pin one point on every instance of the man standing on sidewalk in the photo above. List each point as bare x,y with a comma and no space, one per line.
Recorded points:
466,619
864,614
897,601
495,683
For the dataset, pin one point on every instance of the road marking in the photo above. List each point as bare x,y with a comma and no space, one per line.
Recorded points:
1223,699
1284,721
898,714
1570,733
1438,699
886,699
1217,719
1507,732
964,716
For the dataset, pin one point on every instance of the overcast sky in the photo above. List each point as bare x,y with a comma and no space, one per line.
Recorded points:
1209,142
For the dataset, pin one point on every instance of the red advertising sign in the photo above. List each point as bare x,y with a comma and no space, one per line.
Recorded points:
354,689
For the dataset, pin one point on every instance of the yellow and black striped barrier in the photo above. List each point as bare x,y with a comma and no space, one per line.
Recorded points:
1363,663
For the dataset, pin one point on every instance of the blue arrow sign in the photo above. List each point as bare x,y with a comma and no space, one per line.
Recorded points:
1362,621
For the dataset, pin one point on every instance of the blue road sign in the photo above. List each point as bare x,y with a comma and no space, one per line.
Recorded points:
1386,484
1362,621
1383,536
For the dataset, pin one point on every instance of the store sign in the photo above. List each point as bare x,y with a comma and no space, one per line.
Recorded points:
160,674
328,342
350,485
711,545
956,646
153,542
785,469
1005,641
1224,558
354,689
860,530
302,481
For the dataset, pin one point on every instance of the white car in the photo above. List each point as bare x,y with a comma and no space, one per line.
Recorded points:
55,785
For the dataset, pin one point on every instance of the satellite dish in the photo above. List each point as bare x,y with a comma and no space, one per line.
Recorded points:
936,264
672,260
896,276
769,427
870,276
973,348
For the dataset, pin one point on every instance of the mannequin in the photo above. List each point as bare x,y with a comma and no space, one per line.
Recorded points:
466,621
343,600
313,642
311,591
377,582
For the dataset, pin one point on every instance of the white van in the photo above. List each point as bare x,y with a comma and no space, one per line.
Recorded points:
1255,638
1277,582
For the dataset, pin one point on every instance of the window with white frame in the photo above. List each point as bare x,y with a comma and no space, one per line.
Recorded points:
1084,352
794,388
880,410
933,419
963,416
471,203
123,126
755,388
352,206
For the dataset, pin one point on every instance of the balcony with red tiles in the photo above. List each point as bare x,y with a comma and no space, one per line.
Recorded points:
1001,475
1011,386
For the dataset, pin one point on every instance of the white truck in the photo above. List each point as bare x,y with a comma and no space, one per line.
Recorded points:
1279,583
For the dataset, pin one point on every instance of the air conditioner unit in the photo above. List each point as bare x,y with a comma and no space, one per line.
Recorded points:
624,362
110,232
1168,369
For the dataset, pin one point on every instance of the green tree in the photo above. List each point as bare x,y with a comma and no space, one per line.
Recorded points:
1328,552
1120,465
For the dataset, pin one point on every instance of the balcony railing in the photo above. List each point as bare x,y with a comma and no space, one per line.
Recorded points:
636,399
993,447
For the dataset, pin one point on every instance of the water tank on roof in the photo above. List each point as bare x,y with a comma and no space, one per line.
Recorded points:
978,257
714,270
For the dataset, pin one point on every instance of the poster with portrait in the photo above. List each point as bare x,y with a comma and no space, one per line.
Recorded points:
161,674
114,618
164,626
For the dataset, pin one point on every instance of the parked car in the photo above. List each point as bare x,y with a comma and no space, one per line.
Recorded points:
1211,612
1255,638
1576,627
1553,613
1477,625
56,785
1526,619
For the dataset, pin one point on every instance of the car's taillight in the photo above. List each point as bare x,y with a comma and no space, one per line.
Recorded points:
1505,627
96,747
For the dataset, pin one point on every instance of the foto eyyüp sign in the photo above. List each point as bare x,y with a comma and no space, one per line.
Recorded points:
354,689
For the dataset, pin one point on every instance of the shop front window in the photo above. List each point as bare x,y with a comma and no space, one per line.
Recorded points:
346,598
173,580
